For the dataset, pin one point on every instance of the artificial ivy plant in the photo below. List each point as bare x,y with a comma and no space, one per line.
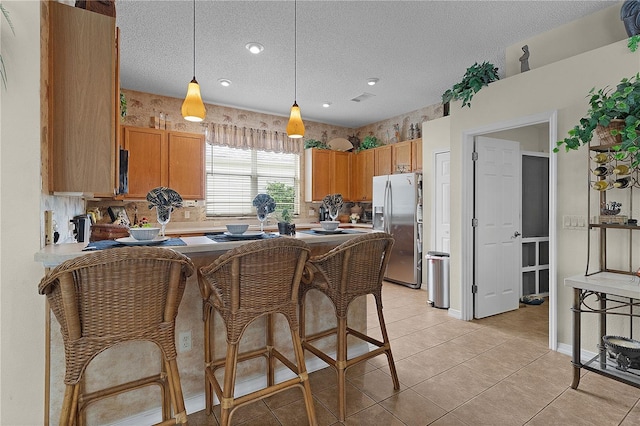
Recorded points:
476,77
606,105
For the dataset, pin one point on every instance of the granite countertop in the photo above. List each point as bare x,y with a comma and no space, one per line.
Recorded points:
53,255
184,228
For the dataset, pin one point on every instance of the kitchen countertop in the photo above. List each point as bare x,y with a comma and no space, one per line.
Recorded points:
607,282
53,255
183,228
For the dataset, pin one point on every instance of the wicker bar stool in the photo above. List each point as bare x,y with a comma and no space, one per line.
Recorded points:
353,269
113,296
260,278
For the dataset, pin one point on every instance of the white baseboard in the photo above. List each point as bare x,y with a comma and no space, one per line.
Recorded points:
196,403
455,313
567,349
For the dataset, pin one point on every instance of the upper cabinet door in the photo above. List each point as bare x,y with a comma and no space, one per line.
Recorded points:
82,101
147,159
341,174
383,160
317,174
401,157
362,175
416,155
186,164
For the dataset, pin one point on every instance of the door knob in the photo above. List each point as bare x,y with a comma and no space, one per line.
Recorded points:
516,234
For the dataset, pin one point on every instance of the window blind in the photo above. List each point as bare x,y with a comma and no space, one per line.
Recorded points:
235,176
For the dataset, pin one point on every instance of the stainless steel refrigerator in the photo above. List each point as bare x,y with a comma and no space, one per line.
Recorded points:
397,210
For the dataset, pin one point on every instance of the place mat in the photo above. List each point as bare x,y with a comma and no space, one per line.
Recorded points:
106,244
222,238
344,231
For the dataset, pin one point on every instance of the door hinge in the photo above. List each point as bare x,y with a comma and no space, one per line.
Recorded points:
474,289
474,156
474,222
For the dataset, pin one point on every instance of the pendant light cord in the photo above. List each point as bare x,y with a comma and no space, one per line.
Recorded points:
295,51
194,39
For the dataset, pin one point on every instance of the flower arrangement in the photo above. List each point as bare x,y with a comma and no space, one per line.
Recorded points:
354,217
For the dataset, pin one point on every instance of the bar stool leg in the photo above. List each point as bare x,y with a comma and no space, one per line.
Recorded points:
302,372
179,413
229,383
301,317
69,405
271,361
208,358
385,339
341,363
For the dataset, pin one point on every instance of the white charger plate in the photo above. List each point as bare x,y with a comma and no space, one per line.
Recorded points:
130,241
248,234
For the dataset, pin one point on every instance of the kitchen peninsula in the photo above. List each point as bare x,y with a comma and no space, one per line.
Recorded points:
141,356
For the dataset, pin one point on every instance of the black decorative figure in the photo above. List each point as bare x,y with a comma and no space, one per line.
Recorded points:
524,59
630,15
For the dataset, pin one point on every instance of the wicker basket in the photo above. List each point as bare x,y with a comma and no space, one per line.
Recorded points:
604,133
108,231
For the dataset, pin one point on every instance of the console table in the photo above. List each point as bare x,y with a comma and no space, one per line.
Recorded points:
604,294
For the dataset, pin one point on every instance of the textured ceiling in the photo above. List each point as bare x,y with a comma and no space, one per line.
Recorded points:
417,49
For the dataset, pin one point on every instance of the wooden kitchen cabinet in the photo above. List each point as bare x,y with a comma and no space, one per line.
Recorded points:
164,158
186,164
363,164
416,155
401,157
383,161
327,172
83,101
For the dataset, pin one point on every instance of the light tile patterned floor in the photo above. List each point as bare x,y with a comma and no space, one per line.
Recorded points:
495,371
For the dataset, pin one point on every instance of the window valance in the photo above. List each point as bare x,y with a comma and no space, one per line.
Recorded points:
247,138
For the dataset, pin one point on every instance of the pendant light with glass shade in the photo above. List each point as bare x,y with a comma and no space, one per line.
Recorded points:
193,107
295,128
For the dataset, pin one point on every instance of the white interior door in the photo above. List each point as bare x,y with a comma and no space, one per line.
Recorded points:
497,248
442,202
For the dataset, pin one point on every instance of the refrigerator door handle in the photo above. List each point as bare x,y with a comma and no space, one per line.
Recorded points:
388,207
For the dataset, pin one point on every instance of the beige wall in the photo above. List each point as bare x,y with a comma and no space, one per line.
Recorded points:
21,307
563,86
591,32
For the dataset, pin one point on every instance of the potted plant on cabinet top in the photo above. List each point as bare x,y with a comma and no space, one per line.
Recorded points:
614,115
476,77
369,142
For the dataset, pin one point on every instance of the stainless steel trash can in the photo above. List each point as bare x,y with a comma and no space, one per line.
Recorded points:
438,279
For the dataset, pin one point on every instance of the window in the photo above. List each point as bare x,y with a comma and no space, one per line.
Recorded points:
235,176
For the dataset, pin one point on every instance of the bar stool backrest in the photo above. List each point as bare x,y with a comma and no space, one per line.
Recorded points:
117,295
255,279
353,269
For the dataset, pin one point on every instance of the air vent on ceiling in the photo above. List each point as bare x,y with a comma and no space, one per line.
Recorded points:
363,97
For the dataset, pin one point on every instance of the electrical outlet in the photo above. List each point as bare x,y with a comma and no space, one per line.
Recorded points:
187,214
184,341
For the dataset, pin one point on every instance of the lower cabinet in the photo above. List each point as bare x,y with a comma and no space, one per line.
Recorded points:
164,158
327,172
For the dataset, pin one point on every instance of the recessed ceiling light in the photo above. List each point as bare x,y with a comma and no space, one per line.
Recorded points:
224,82
326,104
254,47
372,81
